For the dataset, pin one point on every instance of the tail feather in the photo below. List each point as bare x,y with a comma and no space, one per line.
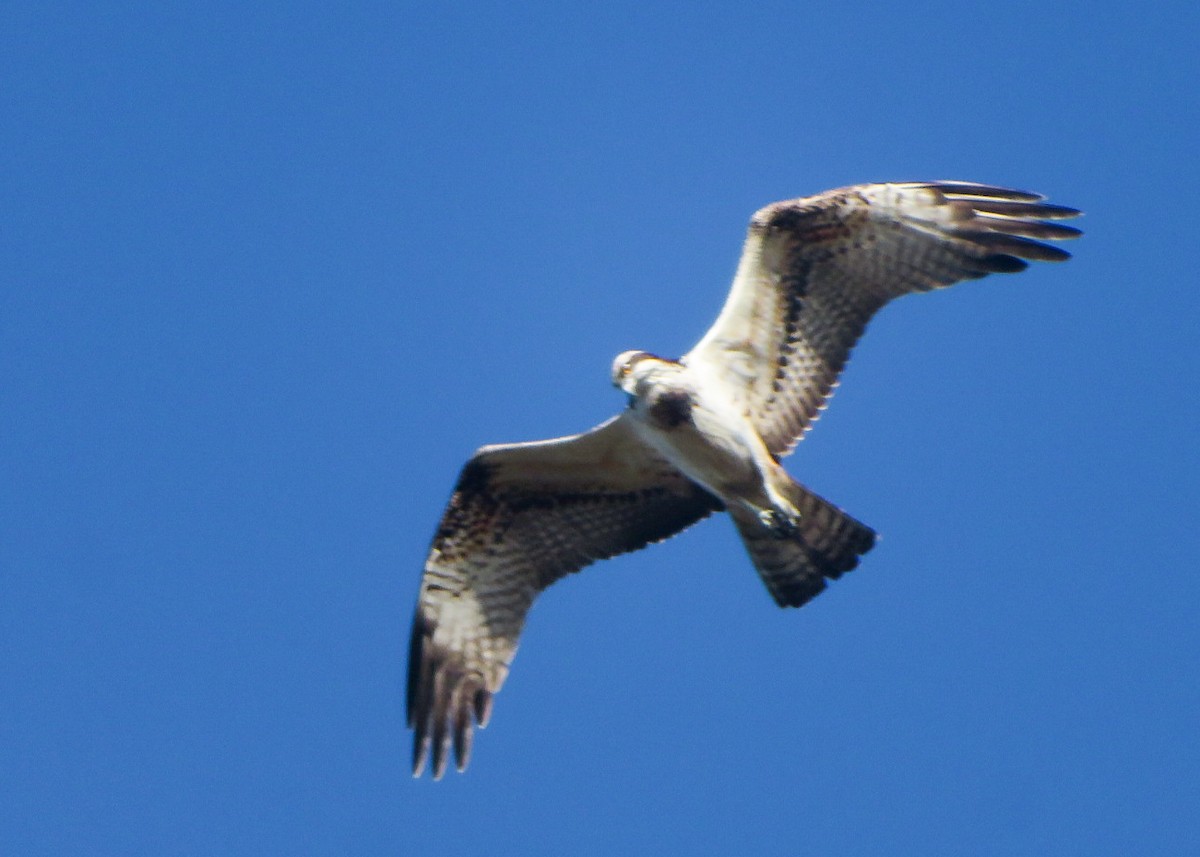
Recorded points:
826,544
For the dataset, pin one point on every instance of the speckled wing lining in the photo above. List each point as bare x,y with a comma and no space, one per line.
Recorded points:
814,271
521,517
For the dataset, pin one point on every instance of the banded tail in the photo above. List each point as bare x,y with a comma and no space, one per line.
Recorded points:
826,544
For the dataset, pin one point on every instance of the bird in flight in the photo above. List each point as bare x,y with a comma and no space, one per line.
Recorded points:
701,434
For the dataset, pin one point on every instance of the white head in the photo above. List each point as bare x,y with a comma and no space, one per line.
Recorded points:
630,367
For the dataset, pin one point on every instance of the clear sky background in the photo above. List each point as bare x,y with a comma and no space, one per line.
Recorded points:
269,273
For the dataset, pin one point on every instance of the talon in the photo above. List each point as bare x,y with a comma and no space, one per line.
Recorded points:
778,523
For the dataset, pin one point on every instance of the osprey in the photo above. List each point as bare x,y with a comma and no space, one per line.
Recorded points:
701,434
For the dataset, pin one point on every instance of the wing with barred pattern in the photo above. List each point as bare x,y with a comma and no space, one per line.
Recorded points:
814,271
522,516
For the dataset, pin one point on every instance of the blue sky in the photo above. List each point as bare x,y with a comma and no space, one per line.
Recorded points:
268,276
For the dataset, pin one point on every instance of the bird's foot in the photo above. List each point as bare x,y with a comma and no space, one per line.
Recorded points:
779,523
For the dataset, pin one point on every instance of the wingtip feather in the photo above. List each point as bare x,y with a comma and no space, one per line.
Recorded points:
1002,263
985,191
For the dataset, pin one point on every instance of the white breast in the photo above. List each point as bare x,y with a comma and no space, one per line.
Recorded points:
714,445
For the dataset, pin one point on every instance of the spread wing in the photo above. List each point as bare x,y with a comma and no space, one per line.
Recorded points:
814,271
522,516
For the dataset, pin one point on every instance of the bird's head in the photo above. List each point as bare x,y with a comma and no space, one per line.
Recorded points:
631,367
